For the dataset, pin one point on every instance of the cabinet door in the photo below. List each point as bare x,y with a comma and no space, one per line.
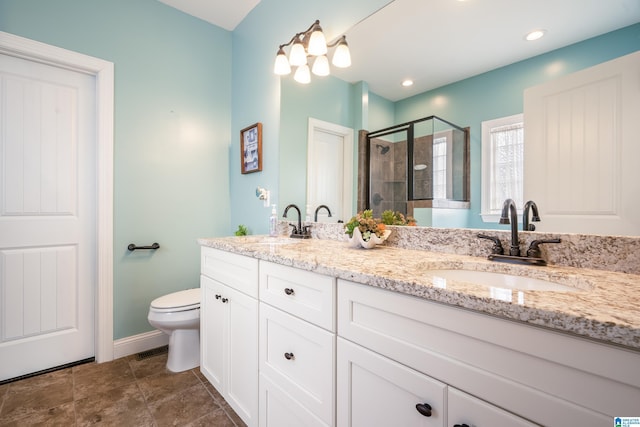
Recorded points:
212,332
229,346
464,409
375,391
242,355
279,409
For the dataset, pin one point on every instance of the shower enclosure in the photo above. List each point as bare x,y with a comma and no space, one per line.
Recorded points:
420,164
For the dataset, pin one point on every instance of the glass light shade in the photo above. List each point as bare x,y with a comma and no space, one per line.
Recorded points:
302,74
321,66
342,56
297,56
317,42
281,67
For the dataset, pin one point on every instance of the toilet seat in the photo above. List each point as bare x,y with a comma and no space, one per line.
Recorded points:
178,301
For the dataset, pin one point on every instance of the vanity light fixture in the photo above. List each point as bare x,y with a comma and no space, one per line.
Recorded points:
311,45
535,35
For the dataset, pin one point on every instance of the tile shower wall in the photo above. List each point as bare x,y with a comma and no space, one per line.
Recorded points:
388,175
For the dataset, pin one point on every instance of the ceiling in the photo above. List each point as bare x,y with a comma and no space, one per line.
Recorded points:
437,42
223,13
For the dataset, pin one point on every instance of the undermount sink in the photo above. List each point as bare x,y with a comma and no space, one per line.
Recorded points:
501,280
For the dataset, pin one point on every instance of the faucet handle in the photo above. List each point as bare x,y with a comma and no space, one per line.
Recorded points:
497,246
534,248
294,230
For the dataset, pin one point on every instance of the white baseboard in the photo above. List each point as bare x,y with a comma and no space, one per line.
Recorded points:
137,343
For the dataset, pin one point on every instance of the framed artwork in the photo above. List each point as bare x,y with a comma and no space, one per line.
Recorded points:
251,148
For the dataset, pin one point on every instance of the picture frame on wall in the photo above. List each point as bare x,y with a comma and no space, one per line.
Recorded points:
251,148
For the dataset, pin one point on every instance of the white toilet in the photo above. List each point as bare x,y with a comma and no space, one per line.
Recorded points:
178,315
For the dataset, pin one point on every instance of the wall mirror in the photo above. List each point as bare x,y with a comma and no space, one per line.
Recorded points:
358,106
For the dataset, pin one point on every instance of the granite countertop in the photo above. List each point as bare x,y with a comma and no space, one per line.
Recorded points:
604,305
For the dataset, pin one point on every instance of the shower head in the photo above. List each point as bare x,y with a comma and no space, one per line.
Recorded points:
383,149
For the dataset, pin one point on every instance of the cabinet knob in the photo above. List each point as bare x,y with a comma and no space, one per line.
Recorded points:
218,296
461,425
225,299
289,291
289,356
424,409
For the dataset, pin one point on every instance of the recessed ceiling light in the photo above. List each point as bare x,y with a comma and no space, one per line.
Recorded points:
407,82
535,35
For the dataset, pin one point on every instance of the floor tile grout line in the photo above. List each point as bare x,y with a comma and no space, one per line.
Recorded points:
229,416
146,402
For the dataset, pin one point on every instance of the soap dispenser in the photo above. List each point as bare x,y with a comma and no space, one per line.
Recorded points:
273,222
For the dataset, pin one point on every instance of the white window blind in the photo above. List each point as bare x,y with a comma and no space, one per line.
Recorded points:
502,164
440,168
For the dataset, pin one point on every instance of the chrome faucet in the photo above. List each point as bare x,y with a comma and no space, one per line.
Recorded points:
297,232
526,226
315,218
510,216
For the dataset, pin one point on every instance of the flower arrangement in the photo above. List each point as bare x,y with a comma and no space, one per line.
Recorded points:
366,224
366,231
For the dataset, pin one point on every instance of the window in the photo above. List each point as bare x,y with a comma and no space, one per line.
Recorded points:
440,167
502,164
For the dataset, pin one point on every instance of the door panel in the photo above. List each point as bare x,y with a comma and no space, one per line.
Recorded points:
581,149
47,216
330,170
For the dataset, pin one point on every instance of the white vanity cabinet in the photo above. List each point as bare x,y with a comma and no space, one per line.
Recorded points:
496,372
297,347
229,329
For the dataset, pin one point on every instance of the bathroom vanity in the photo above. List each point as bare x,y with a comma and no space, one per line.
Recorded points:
333,335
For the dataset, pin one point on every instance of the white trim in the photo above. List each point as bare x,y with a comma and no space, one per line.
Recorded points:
348,148
137,343
103,71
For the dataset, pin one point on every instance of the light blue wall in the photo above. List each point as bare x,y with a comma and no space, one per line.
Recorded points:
381,113
499,93
172,132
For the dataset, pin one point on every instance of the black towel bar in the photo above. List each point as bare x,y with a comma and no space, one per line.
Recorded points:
133,247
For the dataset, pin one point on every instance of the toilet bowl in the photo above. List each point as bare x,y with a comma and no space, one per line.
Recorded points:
178,315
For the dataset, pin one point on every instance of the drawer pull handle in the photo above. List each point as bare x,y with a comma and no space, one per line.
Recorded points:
225,299
289,356
424,409
289,291
461,425
218,296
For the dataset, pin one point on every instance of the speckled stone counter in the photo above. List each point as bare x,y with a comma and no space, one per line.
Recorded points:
602,305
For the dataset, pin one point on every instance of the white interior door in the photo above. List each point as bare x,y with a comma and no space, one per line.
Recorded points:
330,170
48,185
581,149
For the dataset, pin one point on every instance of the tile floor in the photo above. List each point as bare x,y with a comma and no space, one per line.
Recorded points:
124,392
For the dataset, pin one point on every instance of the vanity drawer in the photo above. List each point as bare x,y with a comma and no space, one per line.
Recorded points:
465,409
236,271
373,390
299,357
309,296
